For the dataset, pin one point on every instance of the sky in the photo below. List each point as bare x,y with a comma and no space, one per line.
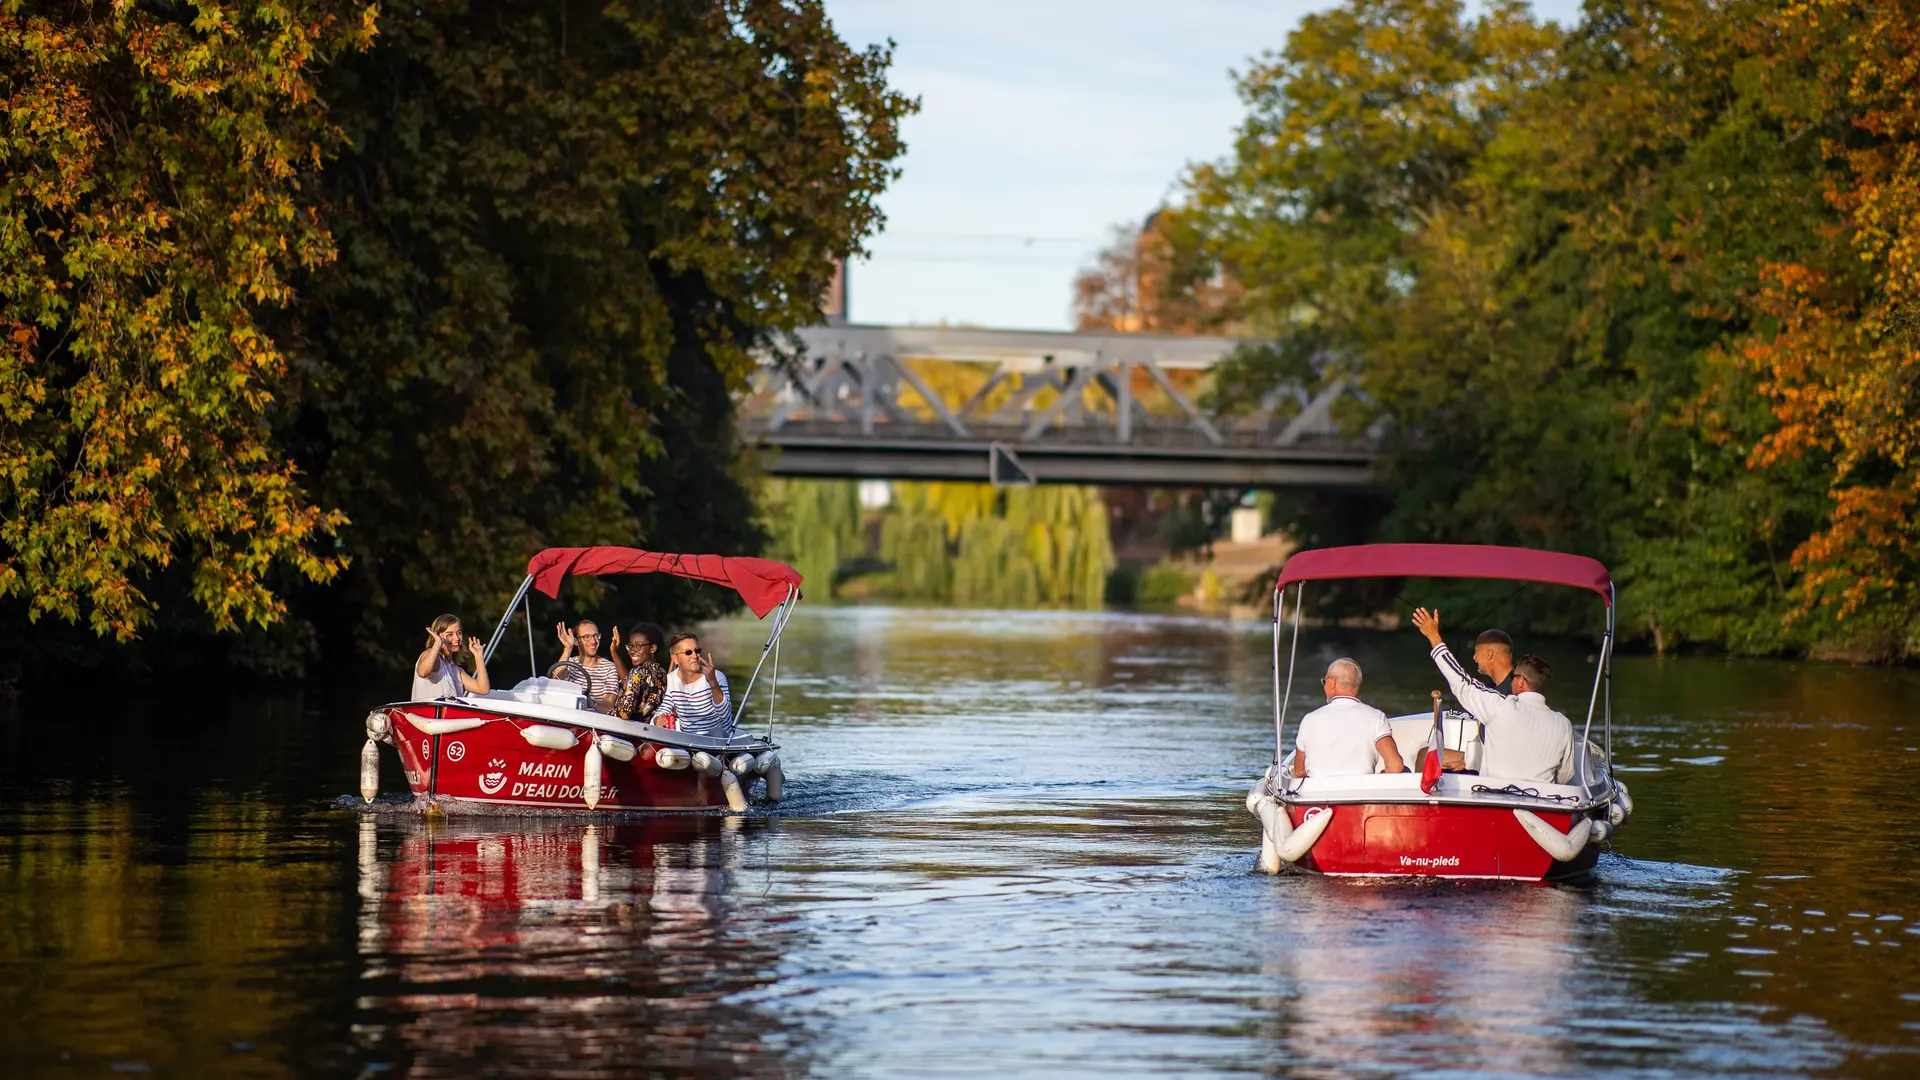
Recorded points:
1044,124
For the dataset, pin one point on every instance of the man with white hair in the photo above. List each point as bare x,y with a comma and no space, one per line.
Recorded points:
1342,737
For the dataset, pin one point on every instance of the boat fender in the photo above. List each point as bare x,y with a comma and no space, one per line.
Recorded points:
378,724
369,771
671,757
1275,828
1563,846
1616,814
1620,796
742,765
1258,789
707,764
764,760
547,737
1601,830
590,776
429,726
616,748
736,796
1305,834
775,778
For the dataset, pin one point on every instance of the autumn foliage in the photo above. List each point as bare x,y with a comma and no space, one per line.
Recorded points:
1642,287
314,317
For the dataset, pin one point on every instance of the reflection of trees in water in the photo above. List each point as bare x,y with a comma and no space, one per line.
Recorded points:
1387,978
564,949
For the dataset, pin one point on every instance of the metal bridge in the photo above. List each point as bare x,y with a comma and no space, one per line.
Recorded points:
1035,407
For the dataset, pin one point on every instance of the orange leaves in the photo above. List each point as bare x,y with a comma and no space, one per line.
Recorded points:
150,193
1840,358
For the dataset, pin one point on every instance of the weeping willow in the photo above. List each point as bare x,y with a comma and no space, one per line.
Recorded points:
1024,547
815,526
915,542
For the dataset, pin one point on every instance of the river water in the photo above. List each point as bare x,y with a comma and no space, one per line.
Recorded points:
1014,845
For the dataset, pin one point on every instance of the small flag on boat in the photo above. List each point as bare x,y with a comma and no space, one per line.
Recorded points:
1436,750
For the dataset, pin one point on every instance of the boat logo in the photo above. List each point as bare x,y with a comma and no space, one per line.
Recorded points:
456,751
495,777
426,748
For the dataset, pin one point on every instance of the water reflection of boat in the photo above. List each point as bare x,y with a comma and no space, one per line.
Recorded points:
540,744
1484,991
1453,825
559,948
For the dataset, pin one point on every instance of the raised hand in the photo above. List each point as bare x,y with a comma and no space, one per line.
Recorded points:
614,641
433,641
1428,623
565,635
476,648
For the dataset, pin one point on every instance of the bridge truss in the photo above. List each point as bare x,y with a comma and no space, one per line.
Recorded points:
1036,407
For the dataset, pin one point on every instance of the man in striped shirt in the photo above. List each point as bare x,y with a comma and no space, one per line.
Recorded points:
1525,739
697,692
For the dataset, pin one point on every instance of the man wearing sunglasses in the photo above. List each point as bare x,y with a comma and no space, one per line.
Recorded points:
697,692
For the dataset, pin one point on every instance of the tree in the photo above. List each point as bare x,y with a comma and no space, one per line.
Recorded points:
155,205
563,230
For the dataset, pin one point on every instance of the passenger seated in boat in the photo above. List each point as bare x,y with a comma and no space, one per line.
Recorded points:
697,692
603,676
1343,737
1524,739
1493,655
436,674
646,681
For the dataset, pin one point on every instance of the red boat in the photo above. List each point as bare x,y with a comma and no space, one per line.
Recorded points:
541,744
1456,825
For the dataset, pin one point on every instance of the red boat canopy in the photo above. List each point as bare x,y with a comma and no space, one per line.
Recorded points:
762,583
1447,561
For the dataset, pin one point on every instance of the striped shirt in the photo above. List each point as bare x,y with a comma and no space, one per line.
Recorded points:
1525,739
693,707
603,679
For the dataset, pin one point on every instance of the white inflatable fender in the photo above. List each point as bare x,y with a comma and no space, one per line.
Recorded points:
1601,830
590,776
430,726
548,737
741,765
377,724
1275,828
736,796
776,779
706,763
1563,846
369,771
616,747
672,757
1305,834
765,760
1620,796
1616,814
1258,789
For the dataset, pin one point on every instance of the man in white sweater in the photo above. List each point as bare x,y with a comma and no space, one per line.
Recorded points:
1525,739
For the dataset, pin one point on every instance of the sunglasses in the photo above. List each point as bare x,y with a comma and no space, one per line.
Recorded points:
688,652
589,637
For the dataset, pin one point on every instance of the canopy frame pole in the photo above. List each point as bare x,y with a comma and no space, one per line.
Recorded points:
779,625
1279,710
1293,651
500,630
773,688
1606,661
533,662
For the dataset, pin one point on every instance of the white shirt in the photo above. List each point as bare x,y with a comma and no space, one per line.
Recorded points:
445,682
1338,737
1525,739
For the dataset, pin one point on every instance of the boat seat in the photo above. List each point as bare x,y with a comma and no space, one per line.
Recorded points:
1458,732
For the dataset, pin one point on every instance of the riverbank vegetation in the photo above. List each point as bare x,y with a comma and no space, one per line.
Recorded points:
318,319
1644,287
968,544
